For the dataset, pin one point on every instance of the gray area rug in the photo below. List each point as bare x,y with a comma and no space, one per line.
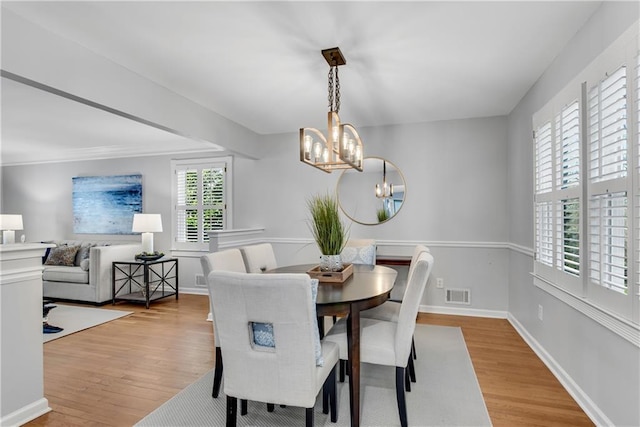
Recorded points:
74,318
446,394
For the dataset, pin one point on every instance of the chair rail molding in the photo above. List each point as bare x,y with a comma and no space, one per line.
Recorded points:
225,239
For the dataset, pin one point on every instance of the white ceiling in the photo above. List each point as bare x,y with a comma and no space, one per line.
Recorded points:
259,63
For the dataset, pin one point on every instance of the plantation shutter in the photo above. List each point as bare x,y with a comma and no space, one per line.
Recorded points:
200,201
567,188
607,130
637,184
544,186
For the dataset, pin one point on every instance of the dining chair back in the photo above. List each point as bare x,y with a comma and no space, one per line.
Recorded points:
414,257
227,260
259,258
389,343
268,332
359,251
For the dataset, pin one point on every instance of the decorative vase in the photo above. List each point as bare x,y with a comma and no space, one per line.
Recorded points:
331,263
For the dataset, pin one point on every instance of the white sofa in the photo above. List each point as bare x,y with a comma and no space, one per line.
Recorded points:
93,285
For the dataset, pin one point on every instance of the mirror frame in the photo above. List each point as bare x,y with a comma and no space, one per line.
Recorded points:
348,215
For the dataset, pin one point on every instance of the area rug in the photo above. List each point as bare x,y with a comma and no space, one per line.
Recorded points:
74,318
446,394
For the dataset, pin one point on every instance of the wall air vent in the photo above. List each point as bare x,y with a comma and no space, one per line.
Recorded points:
458,296
200,282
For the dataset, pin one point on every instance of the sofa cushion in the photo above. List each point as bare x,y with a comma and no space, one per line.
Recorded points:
58,273
83,253
62,255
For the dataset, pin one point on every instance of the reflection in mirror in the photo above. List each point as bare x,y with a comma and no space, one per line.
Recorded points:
374,195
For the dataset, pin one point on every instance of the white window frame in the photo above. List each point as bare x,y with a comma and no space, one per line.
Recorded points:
213,162
549,194
617,311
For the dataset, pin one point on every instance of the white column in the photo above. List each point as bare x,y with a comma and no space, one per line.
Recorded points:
21,352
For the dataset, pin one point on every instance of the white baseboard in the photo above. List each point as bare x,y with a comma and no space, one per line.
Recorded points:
194,291
26,413
461,311
582,399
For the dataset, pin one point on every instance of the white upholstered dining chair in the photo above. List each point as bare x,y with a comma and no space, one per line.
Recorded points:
259,258
270,342
227,260
388,343
390,310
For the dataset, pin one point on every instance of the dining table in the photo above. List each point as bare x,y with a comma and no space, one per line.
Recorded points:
367,287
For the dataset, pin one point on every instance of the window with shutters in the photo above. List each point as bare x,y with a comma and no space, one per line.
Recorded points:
200,203
607,130
557,195
587,188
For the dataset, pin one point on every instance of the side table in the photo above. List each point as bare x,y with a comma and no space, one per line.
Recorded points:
144,281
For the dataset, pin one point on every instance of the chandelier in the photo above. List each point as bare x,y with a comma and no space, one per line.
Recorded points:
385,190
343,148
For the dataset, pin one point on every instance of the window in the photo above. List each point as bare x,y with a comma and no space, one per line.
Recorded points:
201,189
586,188
557,196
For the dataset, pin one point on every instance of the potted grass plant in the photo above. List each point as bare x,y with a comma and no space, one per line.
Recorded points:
328,230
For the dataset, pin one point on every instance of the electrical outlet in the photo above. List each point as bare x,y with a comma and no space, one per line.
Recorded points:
540,312
439,283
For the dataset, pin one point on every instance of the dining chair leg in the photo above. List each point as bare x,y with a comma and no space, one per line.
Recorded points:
271,407
413,348
412,370
333,396
400,397
309,417
326,396
217,376
343,368
243,407
232,411
407,380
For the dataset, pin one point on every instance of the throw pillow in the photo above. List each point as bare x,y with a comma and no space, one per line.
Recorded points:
83,252
62,255
85,264
316,331
263,334
359,255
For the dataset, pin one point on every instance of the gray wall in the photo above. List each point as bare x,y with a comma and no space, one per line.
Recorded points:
456,202
596,365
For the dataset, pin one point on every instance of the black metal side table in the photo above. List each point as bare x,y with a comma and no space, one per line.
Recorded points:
144,281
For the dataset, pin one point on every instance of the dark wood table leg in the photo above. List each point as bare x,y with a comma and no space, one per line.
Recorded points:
353,344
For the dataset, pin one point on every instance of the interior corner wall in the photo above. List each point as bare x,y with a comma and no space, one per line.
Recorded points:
455,174
597,366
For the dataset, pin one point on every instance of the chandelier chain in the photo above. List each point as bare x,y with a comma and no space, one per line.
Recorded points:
337,90
331,89
334,89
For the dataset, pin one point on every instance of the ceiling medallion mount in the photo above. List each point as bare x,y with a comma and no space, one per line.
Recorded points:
343,148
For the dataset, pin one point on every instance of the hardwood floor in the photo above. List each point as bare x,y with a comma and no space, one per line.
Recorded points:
118,372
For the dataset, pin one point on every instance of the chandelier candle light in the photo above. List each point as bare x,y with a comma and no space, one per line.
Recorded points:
343,148
385,190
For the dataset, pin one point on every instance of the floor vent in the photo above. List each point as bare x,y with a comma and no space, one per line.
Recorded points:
200,282
458,296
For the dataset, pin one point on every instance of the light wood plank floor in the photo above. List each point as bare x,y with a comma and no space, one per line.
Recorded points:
118,372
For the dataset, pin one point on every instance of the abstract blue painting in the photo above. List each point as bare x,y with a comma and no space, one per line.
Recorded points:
106,204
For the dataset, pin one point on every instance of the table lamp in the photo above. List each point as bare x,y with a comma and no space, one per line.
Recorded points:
147,224
9,224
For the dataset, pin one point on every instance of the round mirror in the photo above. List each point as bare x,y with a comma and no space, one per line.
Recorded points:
374,195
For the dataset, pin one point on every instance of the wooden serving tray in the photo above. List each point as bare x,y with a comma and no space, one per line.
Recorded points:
331,276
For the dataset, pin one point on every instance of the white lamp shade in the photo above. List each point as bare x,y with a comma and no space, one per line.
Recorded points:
145,223
10,222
